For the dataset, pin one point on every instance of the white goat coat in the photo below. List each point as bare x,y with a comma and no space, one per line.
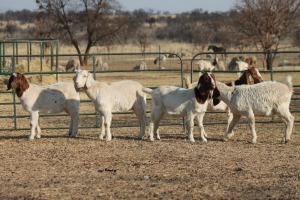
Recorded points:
51,99
168,95
176,101
122,95
119,96
47,99
263,99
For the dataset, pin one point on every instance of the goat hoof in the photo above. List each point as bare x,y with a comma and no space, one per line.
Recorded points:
152,139
286,141
140,137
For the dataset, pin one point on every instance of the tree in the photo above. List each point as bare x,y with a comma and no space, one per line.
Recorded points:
142,39
151,21
85,22
266,22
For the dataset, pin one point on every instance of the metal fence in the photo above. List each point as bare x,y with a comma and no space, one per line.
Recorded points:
123,66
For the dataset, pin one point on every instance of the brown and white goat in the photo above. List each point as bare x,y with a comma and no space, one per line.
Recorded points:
249,77
46,99
188,103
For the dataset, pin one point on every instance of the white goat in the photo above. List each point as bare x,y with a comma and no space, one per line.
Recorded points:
189,103
7,65
98,61
105,67
160,60
61,68
141,66
113,97
48,99
205,65
262,99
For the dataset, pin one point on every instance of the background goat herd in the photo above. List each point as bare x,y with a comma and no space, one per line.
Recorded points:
180,163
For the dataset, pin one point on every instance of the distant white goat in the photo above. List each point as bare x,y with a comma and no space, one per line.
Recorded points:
140,66
262,99
118,96
189,103
105,67
160,60
98,61
8,65
54,98
61,68
205,65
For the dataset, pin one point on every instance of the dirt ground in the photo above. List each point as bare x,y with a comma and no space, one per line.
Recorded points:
58,167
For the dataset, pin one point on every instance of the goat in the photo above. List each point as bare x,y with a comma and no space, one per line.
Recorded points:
262,99
119,96
7,65
61,68
72,65
250,76
105,67
140,66
216,49
160,59
98,61
189,103
48,99
205,65
218,64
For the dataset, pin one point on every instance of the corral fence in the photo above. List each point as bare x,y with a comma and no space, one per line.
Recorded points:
124,66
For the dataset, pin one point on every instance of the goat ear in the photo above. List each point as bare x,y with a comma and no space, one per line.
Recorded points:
216,93
89,81
11,78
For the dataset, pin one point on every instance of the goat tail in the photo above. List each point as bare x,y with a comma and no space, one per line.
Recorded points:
288,81
147,90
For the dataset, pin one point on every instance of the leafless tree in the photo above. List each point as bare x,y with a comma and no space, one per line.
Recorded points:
142,39
201,34
266,21
85,22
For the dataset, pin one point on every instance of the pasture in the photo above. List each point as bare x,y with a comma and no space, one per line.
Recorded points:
58,167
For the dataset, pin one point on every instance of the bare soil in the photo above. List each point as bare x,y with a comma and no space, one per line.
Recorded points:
58,167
